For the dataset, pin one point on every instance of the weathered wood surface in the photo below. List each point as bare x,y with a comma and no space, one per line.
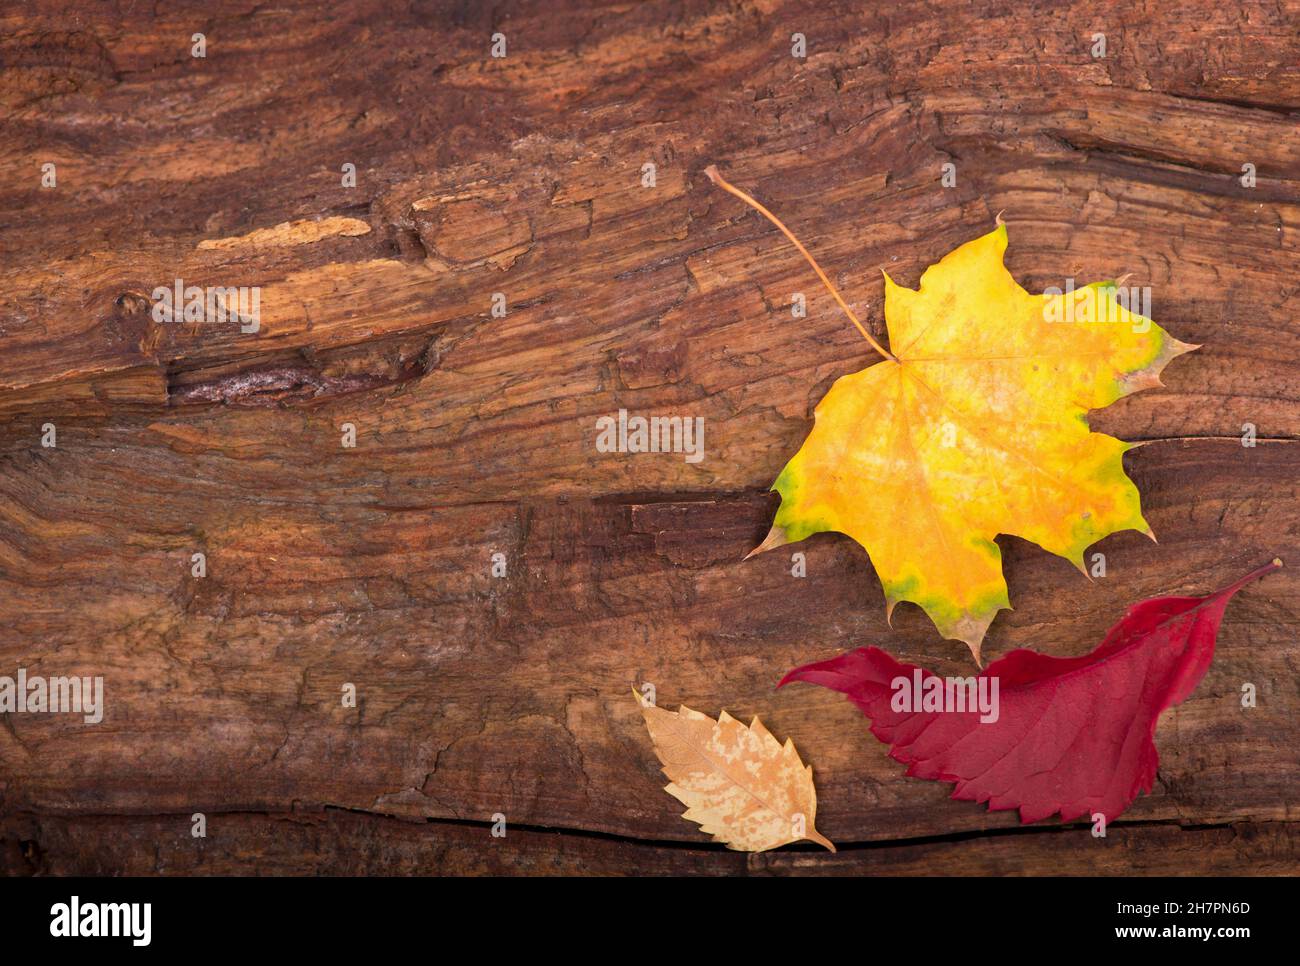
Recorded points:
476,434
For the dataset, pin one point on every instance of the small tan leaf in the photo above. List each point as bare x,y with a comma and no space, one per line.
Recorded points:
740,784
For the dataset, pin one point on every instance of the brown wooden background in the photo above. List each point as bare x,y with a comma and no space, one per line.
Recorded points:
476,434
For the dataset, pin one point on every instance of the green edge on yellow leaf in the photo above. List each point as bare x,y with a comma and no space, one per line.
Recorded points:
969,620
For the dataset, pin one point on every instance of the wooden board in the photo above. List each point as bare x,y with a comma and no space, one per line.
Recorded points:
475,434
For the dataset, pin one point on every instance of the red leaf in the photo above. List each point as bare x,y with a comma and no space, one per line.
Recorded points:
1072,735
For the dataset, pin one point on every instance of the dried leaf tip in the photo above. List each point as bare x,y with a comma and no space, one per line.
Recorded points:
815,836
775,538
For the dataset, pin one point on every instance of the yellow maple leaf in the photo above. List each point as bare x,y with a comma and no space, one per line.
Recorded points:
974,425
740,784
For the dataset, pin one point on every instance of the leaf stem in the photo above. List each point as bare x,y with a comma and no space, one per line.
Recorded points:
1275,564
717,179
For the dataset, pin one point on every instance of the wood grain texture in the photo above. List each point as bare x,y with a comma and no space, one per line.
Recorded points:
475,434
335,842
